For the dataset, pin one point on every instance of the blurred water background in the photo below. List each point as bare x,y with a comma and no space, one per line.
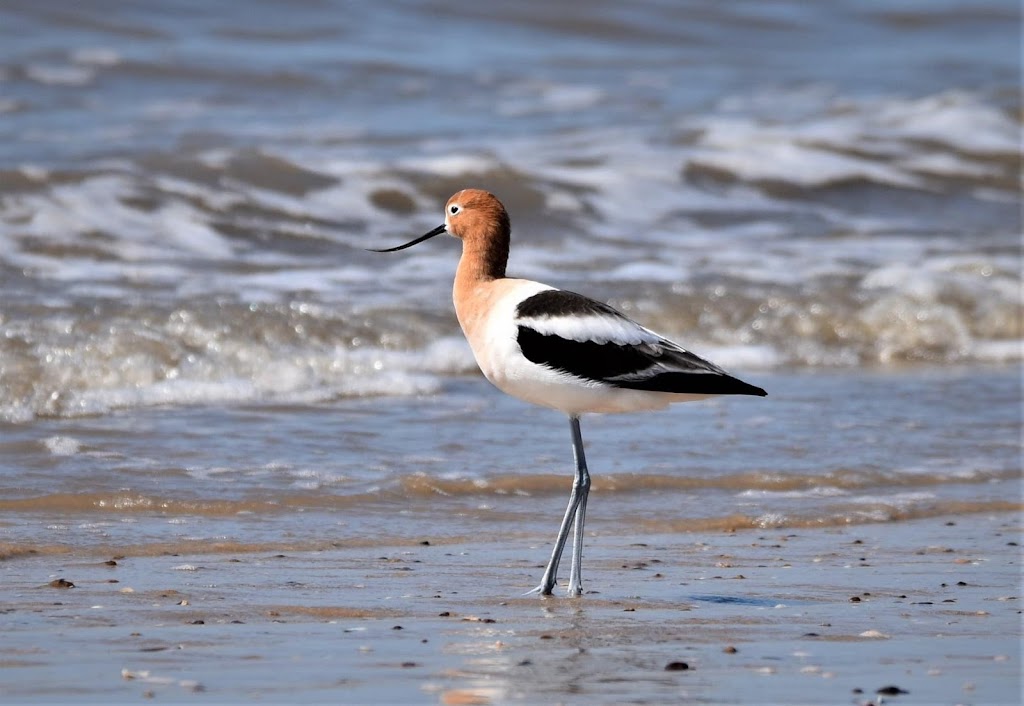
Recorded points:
822,197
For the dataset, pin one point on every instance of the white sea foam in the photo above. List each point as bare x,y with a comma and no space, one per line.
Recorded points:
451,164
896,500
772,153
524,98
96,56
954,118
62,445
896,136
815,492
998,351
57,75
105,378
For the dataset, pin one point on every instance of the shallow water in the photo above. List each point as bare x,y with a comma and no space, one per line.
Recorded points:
823,450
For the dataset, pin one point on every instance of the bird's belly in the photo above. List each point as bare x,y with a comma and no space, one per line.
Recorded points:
546,387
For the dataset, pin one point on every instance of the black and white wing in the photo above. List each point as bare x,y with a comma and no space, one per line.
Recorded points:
576,335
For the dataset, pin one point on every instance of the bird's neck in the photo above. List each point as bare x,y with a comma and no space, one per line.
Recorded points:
483,261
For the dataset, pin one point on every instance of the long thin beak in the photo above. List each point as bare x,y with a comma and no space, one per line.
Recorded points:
437,231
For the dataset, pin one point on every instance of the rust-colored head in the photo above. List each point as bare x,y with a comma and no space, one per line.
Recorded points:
477,218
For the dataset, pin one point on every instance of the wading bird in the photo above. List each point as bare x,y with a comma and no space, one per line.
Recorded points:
561,350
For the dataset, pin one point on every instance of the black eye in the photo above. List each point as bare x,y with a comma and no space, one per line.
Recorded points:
453,209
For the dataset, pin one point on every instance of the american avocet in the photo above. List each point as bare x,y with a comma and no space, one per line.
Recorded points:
561,350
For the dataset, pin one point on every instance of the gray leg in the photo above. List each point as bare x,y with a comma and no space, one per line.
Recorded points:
575,510
582,482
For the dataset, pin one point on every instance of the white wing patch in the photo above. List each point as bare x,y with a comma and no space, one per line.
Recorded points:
595,328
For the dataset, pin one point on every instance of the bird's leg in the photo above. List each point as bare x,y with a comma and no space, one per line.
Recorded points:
581,485
580,488
547,582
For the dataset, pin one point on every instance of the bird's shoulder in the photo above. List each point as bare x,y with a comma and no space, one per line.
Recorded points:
573,316
554,302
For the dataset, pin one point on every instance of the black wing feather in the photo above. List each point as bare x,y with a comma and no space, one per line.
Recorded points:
660,366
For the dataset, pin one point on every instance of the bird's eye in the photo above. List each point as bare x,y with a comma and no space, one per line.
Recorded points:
453,209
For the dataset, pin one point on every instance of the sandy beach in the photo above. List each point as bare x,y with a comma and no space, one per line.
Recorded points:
805,617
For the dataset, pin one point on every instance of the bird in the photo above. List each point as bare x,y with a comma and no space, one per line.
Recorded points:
561,350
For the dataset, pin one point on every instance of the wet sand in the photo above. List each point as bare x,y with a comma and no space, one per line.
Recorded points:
929,606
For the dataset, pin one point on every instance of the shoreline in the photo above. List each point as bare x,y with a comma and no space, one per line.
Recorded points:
761,616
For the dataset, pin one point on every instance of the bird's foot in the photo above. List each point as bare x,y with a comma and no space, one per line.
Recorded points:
544,589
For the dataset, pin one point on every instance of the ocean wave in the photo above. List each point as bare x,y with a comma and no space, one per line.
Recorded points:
88,363
859,231
70,361
297,489
908,143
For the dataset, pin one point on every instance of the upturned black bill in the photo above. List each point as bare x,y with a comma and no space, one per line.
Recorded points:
437,231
